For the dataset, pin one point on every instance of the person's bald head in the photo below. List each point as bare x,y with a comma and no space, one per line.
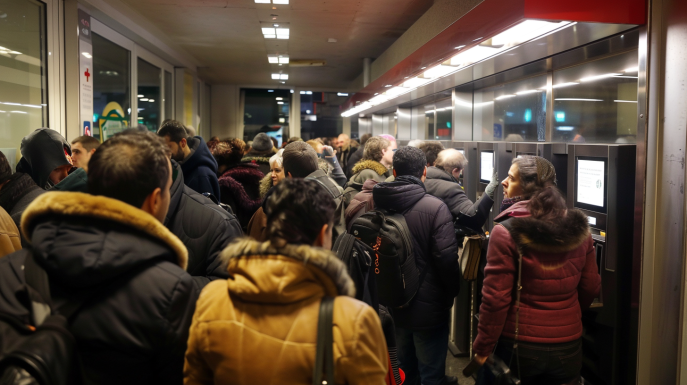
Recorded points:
452,161
343,141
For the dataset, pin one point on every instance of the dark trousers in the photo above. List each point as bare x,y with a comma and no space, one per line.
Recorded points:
422,354
545,364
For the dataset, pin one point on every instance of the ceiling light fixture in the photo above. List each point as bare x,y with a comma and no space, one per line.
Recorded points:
578,100
270,90
284,77
280,102
140,96
87,55
275,76
598,77
272,59
504,97
283,60
625,101
284,2
341,94
144,99
151,100
262,1
561,85
279,98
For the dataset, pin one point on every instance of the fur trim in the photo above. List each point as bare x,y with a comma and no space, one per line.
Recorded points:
100,207
561,236
265,185
256,159
369,165
234,178
323,259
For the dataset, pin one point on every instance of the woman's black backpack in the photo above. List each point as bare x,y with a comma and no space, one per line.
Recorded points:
393,261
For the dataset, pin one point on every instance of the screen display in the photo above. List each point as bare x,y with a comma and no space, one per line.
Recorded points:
487,166
591,176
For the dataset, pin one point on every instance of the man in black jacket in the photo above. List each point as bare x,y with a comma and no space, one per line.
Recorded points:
203,226
442,182
110,249
422,327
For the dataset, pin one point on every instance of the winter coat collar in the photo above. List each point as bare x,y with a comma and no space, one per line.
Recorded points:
265,184
200,156
234,178
100,207
398,195
369,165
563,235
262,272
437,173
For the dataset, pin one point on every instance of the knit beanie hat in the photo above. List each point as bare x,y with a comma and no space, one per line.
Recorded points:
262,142
299,159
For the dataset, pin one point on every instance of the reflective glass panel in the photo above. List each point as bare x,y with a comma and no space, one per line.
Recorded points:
149,95
596,102
321,114
23,99
444,120
169,96
111,87
512,112
266,111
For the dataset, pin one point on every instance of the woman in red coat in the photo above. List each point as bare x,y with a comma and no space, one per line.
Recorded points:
559,278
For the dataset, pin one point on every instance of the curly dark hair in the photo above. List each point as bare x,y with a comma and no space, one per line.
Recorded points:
5,169
410,161
538,179
228,152
129,166
431,150
296,212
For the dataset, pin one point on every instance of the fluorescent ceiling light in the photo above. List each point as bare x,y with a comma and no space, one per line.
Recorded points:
341,94
291,91
473,55
284,77
151,100
280,98
415,82
284,60
632,69
625,101
561,85
268,31
579,100
15,53
275,76
140,96
270,90
283,37
439,71
525,31
270,36
379,99
87,55
395,91
280,1
273,59
12,104
280,102
282,31
565,128
35,106
504,97
627,77
262,1
308,92
598,77
302,92
527,92
19,112
144,99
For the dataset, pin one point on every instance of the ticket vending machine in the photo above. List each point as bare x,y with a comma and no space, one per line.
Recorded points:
601,183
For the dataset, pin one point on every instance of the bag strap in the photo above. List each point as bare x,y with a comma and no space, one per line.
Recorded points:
324,362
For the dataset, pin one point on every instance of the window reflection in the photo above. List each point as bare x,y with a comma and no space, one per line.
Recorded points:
266,111
23,101
321,114
149,95
111,88
597,102
513,112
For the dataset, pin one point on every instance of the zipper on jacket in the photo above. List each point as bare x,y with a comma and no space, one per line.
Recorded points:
403,277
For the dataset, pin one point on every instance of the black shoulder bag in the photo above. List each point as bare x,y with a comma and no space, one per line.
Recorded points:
324,358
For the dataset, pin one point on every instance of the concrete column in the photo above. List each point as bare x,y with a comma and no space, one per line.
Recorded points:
347,126
226,114
295,113
367,71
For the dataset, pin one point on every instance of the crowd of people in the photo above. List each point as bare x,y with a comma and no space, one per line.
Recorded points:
206,262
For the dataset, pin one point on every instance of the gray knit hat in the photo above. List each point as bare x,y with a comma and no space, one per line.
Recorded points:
262,142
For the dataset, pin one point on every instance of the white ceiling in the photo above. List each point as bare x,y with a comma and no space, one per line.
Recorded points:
225,36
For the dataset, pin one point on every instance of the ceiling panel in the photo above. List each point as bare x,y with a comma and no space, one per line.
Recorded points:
225,36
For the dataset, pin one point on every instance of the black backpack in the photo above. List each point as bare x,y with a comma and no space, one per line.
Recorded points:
357,257
393,261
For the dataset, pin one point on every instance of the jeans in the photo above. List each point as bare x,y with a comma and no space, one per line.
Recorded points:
535,364
422,354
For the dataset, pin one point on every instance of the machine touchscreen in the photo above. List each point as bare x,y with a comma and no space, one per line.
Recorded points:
590,184
487,166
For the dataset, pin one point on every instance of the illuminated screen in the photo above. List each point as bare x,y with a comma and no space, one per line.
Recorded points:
591,183
462,151
487,166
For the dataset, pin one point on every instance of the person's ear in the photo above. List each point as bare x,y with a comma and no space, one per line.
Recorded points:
424,172
153,202
92,151
394,173
182,143
289,175
319,241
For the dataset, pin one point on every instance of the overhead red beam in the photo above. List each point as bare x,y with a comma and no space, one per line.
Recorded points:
492,17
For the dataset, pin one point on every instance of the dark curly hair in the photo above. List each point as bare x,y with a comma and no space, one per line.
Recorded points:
431,150
228,152
409,161
296,212
5,169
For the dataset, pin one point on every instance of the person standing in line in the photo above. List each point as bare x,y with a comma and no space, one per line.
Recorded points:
346,148
559,274
355,157
431,150
197,163
376,163
422,327
260,152
259,326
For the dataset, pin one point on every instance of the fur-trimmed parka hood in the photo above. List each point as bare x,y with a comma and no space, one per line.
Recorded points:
265,185
369,165
260,272
563,235
87,238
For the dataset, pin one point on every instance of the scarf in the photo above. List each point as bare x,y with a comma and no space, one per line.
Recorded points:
508,202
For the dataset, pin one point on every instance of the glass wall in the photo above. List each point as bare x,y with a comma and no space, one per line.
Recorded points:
23,98
321,114
111,87
149,95
266,111
169,95
514,112
596,102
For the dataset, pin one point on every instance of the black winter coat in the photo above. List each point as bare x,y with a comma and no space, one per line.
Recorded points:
17,194
200,168
203,227
135,327
445,187
434,246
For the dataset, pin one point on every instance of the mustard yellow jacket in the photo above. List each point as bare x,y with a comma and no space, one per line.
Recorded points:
260,326
10,241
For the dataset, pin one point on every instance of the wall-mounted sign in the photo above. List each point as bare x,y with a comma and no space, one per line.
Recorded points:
85,73
112,121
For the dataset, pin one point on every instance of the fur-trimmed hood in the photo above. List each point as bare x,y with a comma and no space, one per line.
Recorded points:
242,184
86,238
261,272
369,165
265,185
564,235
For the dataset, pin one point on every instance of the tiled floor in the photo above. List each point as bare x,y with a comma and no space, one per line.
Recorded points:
454,367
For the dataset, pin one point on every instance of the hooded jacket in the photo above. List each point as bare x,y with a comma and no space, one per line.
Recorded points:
10,241
203,227
261,158
77,181
200,168
353,159
259,326
361,203
444,186
363,171
240,185
559,279
42,151
134,329
345,154
434,246
17,194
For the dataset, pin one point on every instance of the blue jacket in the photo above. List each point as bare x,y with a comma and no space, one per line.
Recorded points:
200,168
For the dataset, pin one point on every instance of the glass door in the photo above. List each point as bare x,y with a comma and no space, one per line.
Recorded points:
149,96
